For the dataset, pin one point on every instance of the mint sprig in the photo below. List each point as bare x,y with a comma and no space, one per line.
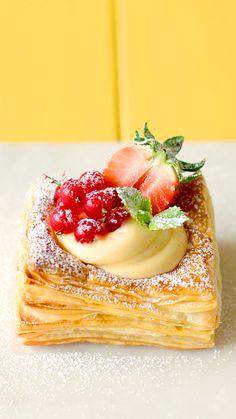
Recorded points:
169,218
140,208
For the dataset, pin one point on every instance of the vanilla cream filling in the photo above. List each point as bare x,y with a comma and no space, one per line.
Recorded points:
132,250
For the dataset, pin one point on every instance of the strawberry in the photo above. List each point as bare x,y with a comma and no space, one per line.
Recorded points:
127,166
160,185
151,167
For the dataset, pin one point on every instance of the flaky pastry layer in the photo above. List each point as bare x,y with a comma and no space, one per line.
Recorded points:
60,299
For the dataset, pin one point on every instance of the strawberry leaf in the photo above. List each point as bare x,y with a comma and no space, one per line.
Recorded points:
169,218
139,207
189,178
146,132
174,144
191,167
150,142
148,139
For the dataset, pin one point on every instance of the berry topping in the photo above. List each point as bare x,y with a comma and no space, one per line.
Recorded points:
63,220
116,218
116,201
98,203
71,194
141,180
57,193
59,203
87,229
92,181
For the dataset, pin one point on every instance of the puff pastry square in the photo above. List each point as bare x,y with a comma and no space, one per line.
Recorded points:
61,300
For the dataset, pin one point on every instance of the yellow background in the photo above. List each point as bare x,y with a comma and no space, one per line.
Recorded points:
74,70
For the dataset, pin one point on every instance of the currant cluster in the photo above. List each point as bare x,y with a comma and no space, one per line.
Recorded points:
87,207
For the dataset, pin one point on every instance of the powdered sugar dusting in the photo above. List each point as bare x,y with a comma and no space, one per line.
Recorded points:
44,253
191,273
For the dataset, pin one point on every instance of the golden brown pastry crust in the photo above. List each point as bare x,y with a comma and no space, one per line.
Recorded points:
60,299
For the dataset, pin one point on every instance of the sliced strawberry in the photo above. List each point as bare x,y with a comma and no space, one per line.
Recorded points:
160,185
152,167
127,166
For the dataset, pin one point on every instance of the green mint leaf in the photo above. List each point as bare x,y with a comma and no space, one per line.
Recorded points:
139,207
191,167
174,144
169,218
146,132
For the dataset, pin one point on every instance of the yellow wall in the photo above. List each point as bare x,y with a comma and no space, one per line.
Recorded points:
179,68
97,69
56,70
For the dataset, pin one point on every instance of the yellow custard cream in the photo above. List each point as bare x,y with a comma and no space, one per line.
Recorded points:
132,250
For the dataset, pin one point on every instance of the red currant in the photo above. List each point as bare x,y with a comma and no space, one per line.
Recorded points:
60,203
87,229
63,220
101,228
98,203
91,181
71,194
116,218
116,201
57,193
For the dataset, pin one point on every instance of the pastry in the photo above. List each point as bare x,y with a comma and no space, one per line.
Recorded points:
68,291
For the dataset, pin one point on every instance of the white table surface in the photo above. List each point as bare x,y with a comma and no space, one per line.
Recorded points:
100,381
